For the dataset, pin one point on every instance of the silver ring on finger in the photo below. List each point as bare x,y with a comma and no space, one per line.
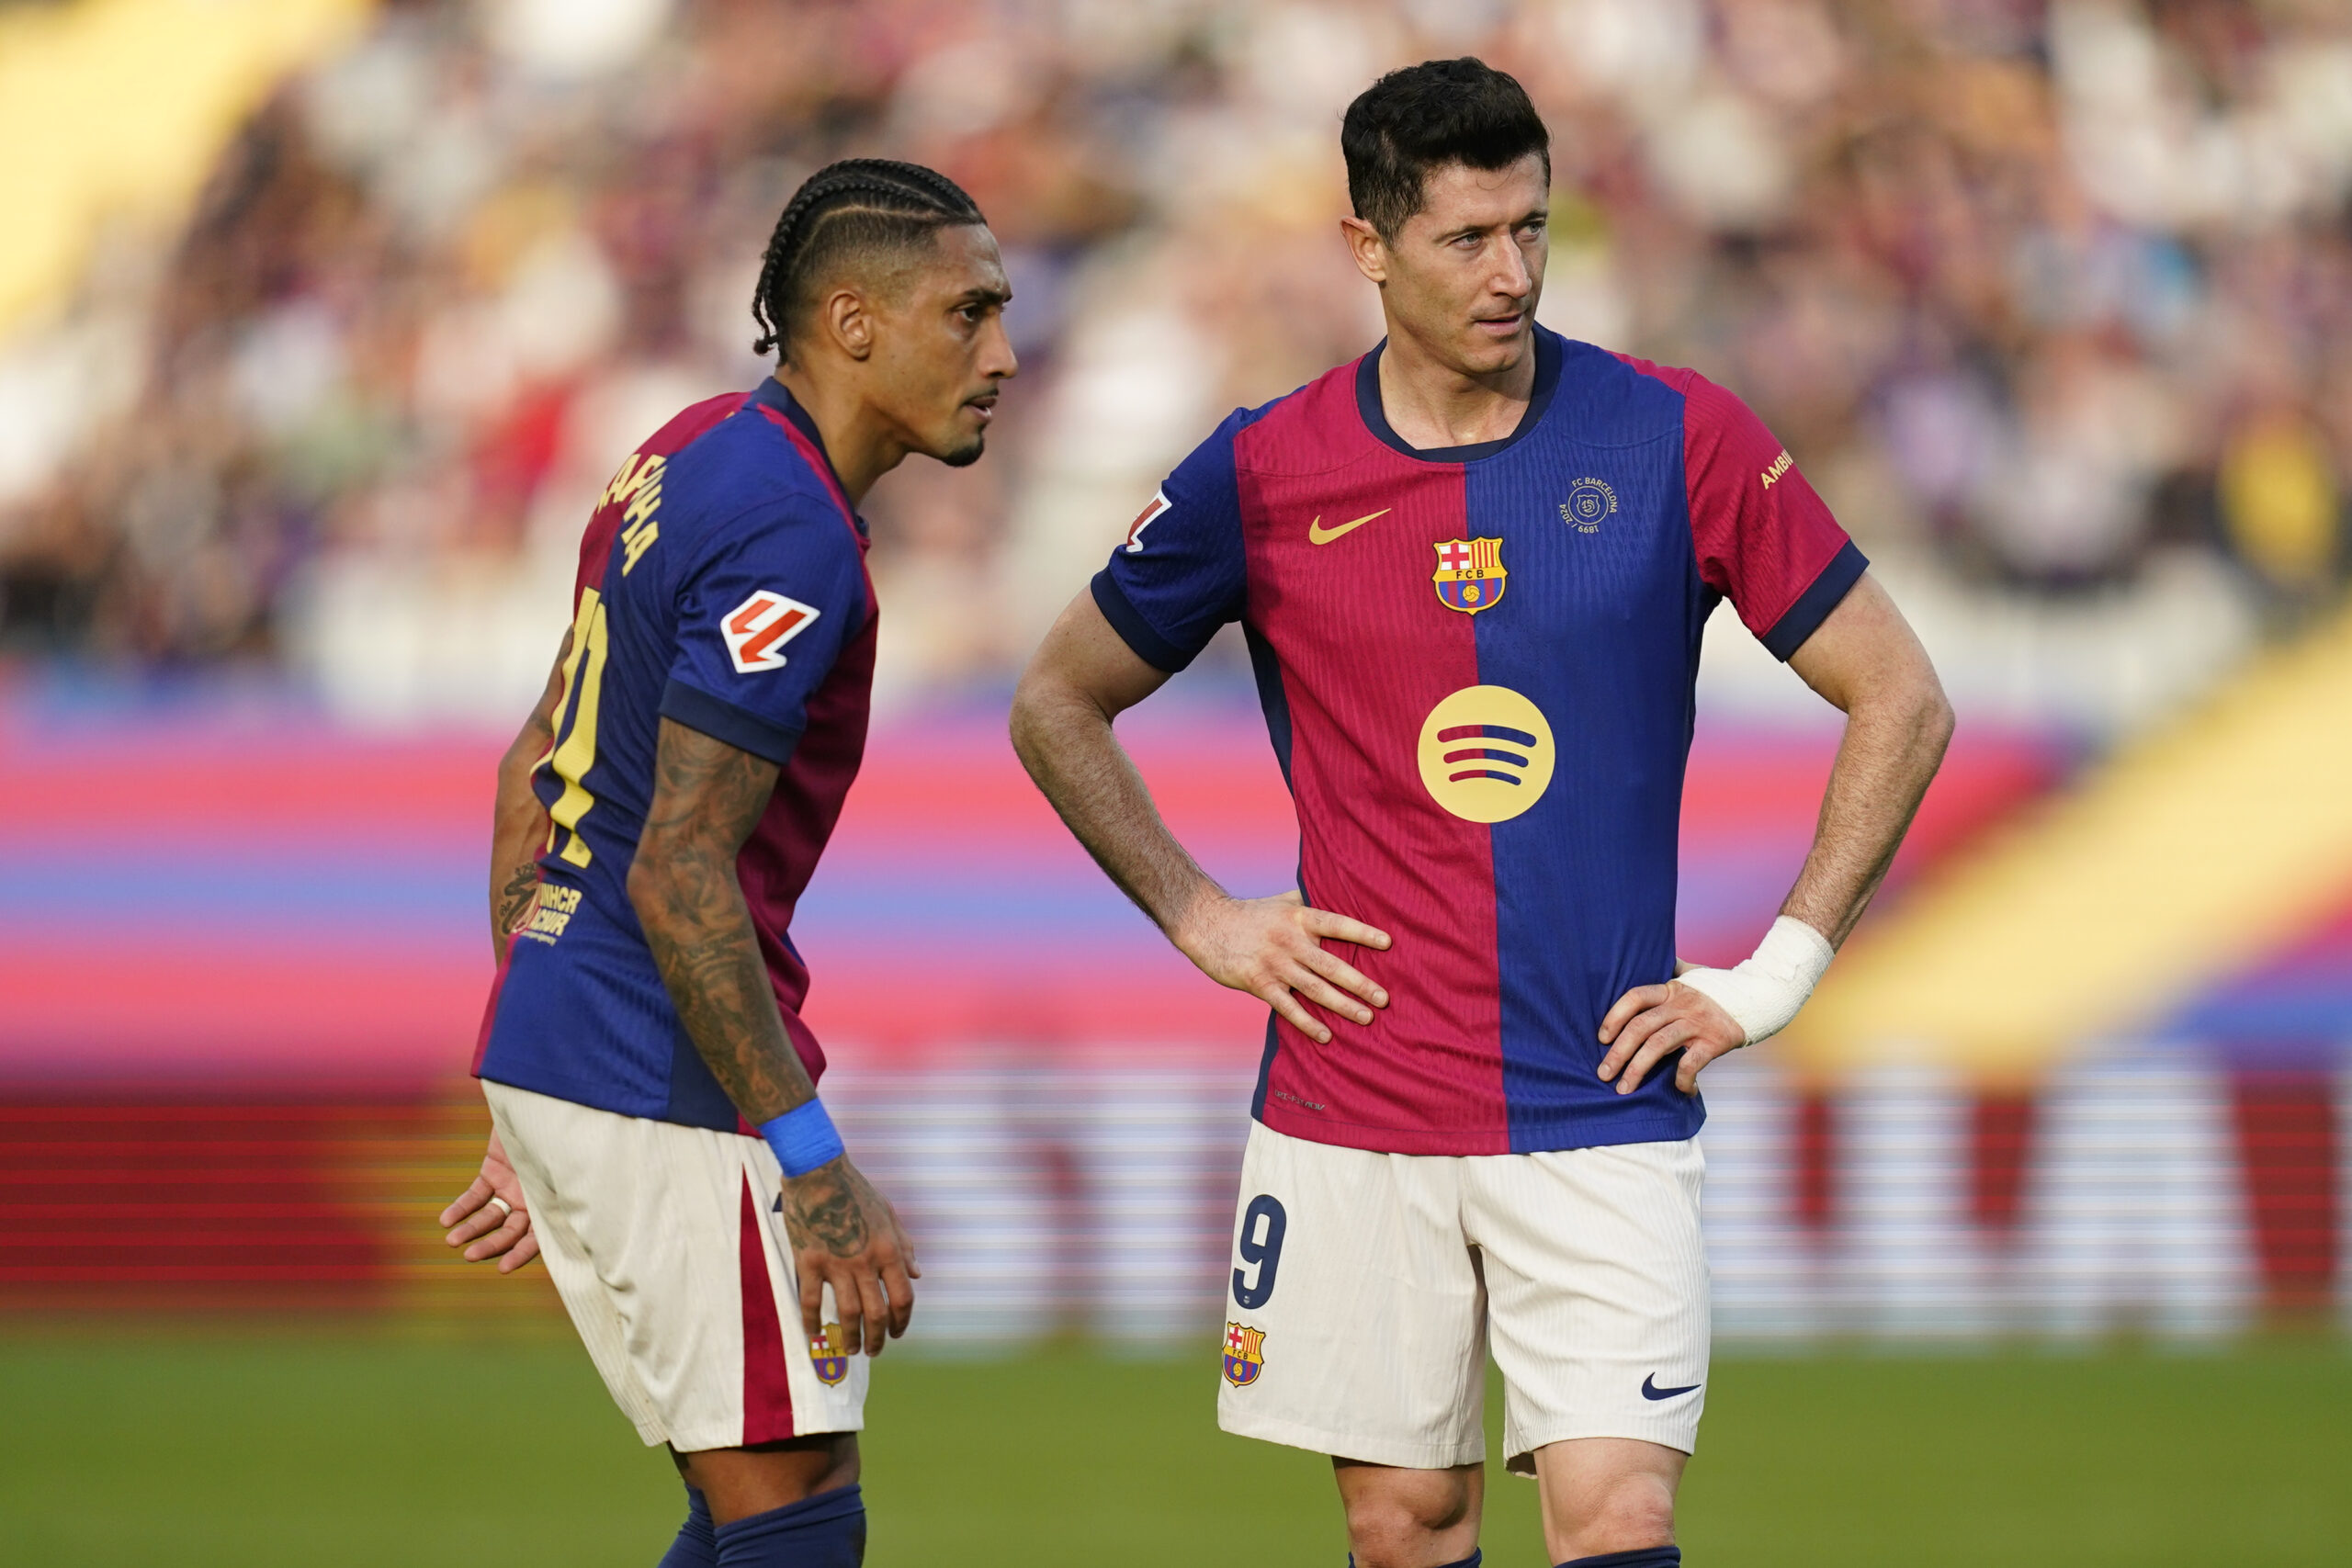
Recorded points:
505,1209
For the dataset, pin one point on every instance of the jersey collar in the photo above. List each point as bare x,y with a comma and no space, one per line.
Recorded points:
773,394
1375,417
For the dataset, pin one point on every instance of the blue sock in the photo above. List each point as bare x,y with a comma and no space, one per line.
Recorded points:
827,1530
697,1546
1470,1561
1647,1557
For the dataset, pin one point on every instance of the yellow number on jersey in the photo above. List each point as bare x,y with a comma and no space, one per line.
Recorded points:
575,752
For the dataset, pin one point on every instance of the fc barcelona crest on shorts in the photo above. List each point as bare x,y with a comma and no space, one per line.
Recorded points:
1245,1354
1469,574
828,1355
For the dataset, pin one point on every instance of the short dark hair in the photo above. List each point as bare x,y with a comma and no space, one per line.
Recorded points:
1424,116
856,205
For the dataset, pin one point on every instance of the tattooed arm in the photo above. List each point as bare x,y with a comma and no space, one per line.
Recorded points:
519,827
708,797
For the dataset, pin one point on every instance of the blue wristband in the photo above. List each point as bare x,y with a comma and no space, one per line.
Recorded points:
803,1138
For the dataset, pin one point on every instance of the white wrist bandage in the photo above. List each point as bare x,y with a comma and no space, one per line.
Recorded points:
1763,992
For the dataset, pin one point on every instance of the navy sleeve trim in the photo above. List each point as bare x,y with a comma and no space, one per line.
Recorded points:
1127,620
1802,619
722,720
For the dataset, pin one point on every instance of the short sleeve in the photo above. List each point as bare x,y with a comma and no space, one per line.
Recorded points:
1180,572
1765,538
762,614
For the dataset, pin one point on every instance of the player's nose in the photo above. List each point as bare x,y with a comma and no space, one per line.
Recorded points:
1513,279
998,362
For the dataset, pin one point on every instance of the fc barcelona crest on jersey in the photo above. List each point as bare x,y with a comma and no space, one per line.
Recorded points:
827,1354
1590,500
1469,575
1245,1354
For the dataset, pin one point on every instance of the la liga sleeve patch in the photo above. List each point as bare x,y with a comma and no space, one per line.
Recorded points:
1181,571
1144,519
757,629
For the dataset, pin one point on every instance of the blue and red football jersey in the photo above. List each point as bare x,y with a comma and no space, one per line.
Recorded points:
1478,669
722,584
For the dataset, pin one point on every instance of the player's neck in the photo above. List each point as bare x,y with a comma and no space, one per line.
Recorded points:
1432,405
861,444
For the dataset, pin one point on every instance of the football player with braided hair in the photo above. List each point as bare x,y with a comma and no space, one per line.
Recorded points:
658,1135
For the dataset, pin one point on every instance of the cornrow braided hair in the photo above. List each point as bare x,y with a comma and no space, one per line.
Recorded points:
856,204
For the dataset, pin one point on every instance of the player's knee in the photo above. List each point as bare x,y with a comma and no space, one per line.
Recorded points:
1628,1514
845,1466
1392,1522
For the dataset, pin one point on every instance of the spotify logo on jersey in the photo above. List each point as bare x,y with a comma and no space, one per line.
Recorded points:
1485,753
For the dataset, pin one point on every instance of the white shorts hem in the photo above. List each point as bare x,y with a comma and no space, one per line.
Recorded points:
1404,1455
701,1442
1682,1437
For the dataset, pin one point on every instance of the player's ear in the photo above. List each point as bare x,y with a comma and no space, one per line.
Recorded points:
1365,245
847,317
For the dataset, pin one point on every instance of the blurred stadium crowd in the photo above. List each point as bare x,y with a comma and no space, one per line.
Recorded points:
2043,296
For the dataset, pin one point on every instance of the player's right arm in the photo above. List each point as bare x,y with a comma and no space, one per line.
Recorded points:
519,824
490,1219
1081,679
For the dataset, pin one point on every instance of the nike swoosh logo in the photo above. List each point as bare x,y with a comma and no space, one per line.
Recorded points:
1651,1391
1319,535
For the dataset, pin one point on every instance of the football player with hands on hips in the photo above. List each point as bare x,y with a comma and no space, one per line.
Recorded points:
1472,569
659,1139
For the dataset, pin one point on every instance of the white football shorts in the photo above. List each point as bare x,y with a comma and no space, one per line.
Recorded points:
668,1248
1366,1289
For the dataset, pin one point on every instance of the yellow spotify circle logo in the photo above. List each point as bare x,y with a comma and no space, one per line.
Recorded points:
1485,753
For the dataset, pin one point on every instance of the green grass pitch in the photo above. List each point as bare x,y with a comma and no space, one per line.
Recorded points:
300,1447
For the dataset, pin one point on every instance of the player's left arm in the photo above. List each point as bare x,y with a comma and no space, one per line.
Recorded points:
1866,663
1865,660
765,603
709,798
